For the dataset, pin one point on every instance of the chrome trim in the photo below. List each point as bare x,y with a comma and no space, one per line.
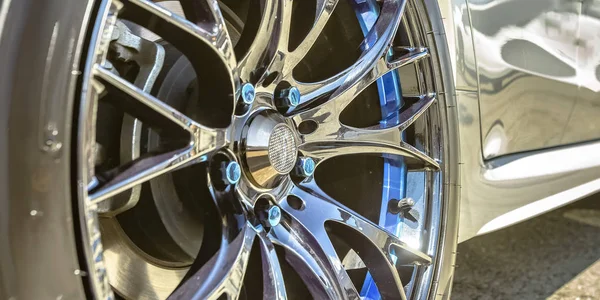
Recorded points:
539,73
203,140
302,231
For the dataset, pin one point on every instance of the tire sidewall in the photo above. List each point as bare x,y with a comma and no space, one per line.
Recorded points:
40,47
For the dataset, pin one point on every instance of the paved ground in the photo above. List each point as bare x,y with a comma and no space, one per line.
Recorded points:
554,256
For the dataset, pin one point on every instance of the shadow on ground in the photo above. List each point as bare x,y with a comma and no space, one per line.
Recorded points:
533,259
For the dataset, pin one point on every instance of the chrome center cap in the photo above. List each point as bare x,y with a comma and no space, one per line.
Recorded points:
269,148
282,149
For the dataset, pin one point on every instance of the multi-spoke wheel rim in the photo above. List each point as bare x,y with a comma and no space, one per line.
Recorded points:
248,206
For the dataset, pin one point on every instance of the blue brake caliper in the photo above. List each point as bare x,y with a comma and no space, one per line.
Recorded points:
394,169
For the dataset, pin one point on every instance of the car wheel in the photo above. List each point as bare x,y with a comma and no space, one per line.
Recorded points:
238,149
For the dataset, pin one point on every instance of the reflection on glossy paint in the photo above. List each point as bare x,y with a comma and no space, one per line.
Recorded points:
495,141
533,111
547,163
537,63
541,206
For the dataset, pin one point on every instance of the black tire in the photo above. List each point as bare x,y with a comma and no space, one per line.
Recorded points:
40,46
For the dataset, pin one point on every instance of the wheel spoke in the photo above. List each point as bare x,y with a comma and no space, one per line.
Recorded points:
341,89
209,32
286,24
375,142
140,104
324,10
404,56
381,251
157,114
317,90
311,253
273,284
371,65
322,208
136,172
411,114
332,138
150,58
223,274
265,46
202,12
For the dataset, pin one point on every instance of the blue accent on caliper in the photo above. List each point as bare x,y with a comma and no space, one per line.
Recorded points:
394,169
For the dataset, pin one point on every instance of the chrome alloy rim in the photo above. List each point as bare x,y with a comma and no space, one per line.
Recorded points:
260,164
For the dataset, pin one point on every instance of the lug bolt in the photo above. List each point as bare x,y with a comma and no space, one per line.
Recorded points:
269,215
248,93
273,216
290,96
232,173
306,166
